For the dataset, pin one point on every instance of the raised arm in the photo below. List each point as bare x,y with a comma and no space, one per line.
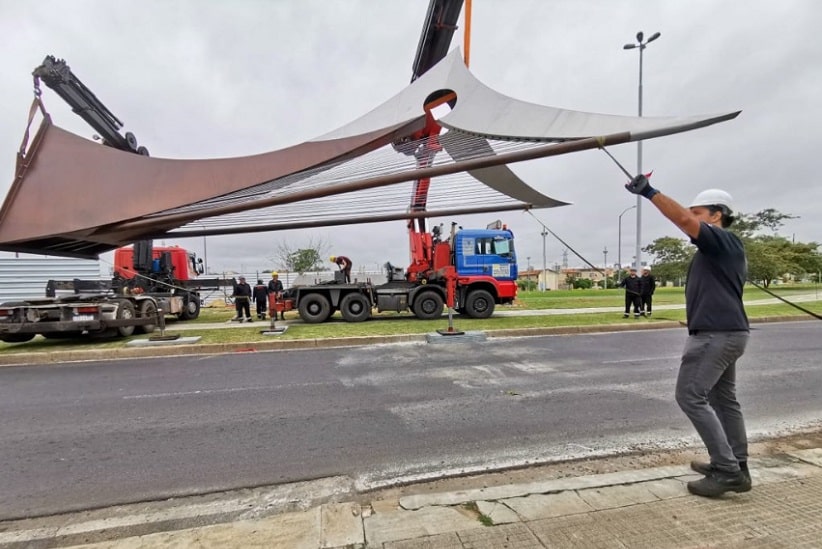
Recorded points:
679,215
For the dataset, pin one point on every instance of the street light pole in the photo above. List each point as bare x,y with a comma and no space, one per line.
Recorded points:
544,233
641,45
605,265
619,243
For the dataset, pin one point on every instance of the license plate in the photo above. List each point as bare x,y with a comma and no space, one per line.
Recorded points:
82,318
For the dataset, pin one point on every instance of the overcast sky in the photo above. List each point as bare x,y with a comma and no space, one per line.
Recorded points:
200,79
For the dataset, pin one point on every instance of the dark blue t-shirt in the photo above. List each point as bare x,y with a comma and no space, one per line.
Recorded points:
713,292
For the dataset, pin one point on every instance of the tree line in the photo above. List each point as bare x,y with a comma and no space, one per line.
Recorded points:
770,255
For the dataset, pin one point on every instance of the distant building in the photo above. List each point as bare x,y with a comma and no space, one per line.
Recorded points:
548,279
594,275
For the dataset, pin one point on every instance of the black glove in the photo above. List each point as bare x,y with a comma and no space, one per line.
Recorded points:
640,185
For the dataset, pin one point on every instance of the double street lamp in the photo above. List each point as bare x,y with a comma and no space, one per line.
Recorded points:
619,243
640,45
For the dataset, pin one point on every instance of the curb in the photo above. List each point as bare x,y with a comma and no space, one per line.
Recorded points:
328,513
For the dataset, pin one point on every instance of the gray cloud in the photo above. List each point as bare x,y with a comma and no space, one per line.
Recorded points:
197,79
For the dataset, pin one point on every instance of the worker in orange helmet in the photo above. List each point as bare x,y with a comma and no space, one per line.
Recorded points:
344,264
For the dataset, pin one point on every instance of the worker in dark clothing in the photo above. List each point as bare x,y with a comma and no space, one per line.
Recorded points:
633,292
344,264
648,284
261,298
718,333
275,291
242,300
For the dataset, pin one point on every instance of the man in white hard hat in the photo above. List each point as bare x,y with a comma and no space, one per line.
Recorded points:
718,333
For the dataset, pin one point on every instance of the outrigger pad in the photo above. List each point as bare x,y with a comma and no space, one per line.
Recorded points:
450,332
274,331
169,337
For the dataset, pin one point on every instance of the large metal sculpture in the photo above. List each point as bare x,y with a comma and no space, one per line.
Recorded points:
75,197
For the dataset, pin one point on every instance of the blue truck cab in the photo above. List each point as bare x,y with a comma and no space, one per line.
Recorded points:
485,252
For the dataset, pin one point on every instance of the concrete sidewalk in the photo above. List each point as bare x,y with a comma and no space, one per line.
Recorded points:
633,508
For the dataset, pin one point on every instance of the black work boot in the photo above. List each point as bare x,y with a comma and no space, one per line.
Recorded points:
704,468
718,482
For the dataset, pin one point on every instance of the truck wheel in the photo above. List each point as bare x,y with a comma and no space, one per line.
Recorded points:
479,304
62,335
428,305
16,338
125,311
354,307
146,309
315,308
191,307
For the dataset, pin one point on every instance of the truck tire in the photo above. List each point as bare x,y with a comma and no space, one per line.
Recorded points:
354,307
16,338
125,311
191,307
147,308
315,308
428,305
479,304
63,335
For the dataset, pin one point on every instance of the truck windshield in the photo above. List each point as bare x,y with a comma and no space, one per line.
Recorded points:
503,246
497,245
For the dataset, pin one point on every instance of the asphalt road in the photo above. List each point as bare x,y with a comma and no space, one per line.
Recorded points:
85,435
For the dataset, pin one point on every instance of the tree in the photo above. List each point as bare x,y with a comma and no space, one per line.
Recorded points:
771,257
671,258
746,225
301,260
582,284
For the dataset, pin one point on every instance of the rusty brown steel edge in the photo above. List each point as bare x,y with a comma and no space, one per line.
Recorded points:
85,355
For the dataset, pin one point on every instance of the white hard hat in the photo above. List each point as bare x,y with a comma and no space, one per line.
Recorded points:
714,197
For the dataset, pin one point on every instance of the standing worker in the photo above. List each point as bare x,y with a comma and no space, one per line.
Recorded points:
633,292
648,284
275,290
242,300
718,333
344,264
260,298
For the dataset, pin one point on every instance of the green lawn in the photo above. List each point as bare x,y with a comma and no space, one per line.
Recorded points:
572,299
387,324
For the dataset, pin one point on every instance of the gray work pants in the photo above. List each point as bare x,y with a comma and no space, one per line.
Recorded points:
706,392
